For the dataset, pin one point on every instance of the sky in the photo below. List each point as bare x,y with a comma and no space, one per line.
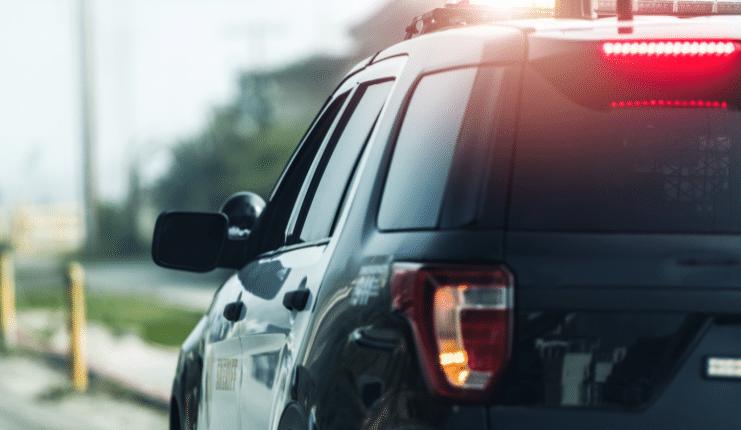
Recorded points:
159,68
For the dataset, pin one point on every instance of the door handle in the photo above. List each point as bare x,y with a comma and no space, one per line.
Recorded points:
296,300
234,311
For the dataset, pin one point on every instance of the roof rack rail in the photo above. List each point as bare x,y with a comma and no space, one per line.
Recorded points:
456,15
671,7
575,9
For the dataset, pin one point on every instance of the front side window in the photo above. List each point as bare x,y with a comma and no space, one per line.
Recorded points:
275,218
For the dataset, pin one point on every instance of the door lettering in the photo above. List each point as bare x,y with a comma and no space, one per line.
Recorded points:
226,373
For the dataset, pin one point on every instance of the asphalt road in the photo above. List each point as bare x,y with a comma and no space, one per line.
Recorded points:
141,277
128,277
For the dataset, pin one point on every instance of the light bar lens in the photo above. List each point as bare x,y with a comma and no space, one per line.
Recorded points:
724,367
669,103
669,48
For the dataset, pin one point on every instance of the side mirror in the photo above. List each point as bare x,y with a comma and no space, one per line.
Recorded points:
190,241
242,209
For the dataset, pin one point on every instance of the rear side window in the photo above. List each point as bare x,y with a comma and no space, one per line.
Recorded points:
340,161
632,168
419,169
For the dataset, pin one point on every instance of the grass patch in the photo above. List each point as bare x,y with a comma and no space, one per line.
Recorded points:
40,299
153,320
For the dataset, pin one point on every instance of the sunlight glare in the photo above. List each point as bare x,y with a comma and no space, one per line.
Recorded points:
510,3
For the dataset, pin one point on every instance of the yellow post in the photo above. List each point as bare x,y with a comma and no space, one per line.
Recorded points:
75,285
7,298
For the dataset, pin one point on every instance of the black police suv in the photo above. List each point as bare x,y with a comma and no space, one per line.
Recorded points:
496,224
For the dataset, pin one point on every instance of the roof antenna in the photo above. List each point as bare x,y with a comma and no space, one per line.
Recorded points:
625,10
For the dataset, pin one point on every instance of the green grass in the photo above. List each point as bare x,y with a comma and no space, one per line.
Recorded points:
153,320
156,322
39,300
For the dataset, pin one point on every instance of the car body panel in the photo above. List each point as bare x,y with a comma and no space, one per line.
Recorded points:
690,401
374,377
270,332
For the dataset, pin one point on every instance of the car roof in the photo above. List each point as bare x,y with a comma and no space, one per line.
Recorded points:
444,41
465,45
641,27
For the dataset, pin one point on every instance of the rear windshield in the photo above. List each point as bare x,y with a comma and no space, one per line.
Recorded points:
611,168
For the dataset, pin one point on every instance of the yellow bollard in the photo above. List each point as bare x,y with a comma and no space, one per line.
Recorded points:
7,298
75,286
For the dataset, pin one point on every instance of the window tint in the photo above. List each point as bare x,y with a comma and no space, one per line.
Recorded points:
340,160
424,151
581,168
273,221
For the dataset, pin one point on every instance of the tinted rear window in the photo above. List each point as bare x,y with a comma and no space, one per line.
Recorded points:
424,151
603,168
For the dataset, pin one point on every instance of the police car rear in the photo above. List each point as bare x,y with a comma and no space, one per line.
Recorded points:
618,300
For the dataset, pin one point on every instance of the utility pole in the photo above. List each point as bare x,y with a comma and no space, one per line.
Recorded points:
90,191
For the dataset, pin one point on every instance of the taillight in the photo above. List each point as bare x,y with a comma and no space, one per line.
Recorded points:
675,48
461,317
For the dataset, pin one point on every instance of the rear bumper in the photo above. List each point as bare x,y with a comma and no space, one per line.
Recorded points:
689,401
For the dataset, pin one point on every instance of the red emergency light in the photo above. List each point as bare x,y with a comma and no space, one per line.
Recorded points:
670,103
670,48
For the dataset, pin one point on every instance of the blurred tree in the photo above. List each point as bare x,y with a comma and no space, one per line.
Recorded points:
249,141
117,236
219,162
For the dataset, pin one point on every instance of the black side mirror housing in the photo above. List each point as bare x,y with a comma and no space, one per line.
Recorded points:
191,241
243,209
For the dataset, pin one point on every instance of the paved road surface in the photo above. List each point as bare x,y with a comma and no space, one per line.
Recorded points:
193,290
132,277
34,396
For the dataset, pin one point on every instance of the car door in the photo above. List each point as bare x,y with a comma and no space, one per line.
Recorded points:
229,317
222,356
280,285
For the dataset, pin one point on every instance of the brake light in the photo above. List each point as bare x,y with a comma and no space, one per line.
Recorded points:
670,48
461,317
670,103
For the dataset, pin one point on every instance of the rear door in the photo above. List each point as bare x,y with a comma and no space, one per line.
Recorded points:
280,286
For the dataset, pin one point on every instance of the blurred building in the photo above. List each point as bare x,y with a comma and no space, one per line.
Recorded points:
46,229
296,93
388,25
293,94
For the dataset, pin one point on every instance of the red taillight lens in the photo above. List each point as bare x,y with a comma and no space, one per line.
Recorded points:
462,322
670,103
674,48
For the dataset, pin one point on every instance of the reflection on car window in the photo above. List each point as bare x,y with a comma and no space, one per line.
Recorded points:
634,169
278,212
424,151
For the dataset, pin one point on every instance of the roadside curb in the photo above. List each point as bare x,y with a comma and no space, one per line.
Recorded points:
102,379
